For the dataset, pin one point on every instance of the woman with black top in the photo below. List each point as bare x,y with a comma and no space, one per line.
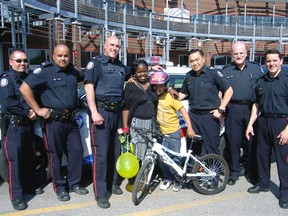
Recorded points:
140,105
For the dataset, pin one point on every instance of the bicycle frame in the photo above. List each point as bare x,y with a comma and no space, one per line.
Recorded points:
161,150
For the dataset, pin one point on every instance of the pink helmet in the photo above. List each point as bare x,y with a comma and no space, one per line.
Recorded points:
159,77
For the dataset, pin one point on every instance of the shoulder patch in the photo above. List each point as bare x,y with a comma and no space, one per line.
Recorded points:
211,68
219,74
4,82
37,71
90,65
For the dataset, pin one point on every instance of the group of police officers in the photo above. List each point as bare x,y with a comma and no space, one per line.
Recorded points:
240,90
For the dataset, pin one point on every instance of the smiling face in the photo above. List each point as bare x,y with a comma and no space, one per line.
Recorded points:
112,47
61,56
18,61
141,73
159,88
239,54
197,62
273,63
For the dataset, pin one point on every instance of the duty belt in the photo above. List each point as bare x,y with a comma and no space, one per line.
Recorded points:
200,111
109,106
18,120
65,115
245,102
273,115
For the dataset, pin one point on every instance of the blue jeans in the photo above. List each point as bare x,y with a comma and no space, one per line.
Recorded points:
173,143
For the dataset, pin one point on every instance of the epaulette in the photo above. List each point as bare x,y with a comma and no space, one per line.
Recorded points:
3,75
46,64
228,65
211,68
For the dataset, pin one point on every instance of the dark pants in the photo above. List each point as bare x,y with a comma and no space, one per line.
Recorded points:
19,154
235,126
209,129
106,150
64,137
268,130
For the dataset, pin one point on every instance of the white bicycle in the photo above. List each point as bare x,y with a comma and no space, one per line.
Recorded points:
209,173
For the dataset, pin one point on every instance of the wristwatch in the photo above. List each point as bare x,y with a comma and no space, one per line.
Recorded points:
221,110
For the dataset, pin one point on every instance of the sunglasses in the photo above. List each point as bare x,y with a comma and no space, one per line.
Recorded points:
20,60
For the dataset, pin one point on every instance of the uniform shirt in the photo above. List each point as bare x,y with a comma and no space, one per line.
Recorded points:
272,94
11,99
167,113
242,81
108,78
57,87
138,103
203,89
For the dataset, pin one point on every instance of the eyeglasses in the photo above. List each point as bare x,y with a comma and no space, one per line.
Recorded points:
20,60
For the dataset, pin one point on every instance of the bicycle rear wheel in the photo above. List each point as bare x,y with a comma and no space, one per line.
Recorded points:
143,182
215,184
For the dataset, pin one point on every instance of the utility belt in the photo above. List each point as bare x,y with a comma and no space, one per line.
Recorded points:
273,115
110,106
65,115
200,111
18,120
245,102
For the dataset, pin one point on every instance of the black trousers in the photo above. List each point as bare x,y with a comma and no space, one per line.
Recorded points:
19,154
64,137
106,150
209,129
235,126
268,130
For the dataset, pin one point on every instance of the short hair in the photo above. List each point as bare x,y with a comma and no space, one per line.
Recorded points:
196,50
273,51
136,63
17,50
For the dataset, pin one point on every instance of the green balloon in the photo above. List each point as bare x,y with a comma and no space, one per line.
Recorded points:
127,165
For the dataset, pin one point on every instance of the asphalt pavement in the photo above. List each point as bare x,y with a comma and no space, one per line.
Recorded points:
233,201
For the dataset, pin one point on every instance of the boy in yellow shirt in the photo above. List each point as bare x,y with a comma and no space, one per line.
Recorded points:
169,124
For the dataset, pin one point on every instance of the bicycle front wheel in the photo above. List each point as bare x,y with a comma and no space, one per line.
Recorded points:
211,185
143,182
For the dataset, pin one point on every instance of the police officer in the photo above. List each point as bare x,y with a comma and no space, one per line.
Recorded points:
242,75
104,81
56,84
203,84
17,131
272,105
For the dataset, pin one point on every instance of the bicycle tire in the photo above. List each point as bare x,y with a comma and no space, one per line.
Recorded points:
211,185
142,184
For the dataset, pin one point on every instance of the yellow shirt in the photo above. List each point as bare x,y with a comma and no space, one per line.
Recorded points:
167,113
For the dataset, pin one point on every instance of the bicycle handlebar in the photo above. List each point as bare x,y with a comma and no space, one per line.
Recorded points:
196,138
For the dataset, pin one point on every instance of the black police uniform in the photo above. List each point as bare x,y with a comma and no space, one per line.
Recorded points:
17,132
108,78
57,90
238,112
203,98
272,97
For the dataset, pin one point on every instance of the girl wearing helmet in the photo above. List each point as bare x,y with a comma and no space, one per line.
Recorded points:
167,109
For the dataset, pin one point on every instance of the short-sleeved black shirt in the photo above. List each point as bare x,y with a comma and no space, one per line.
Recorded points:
242,81
57,88
272,94
143,105
11,99
203,89
108,78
